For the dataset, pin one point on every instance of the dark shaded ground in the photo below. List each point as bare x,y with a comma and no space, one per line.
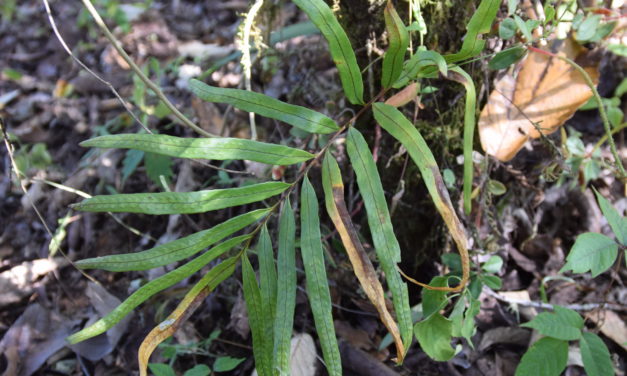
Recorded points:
54,105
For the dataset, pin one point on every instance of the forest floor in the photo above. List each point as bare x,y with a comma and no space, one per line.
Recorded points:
50,105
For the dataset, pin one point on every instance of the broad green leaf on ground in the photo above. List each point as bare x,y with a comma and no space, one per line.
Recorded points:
203,148
591,251
493,265
181,202
297,116
340,47
507,28
192,300
153,287
386,245
492,281
469,328
523,27
198,370
595,355
434,335
506,58
362,266
286,290
617,222
480,23
395,123
316,282
547,357
159,369
398,41
173,251
262,344
564,324
226,363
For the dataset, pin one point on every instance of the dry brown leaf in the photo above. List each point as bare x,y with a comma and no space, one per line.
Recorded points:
362,266
546,93
611,325
404,96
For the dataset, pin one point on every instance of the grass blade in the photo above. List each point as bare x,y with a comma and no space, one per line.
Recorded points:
393,121
480,23
192,300
364,271
202,148
395,54
297,116
317,283
459,75
257,319
181,202
386,245
173,251
341,50
153,287
286,291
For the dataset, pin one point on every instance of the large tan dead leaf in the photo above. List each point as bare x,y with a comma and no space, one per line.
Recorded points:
546,92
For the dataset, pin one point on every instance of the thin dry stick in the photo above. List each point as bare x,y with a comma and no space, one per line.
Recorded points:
575,307
79,62
18,175
116,44
246,60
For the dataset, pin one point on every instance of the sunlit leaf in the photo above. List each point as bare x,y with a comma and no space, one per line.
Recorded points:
297,116
340,47
181,202
507,28
480,23
203,148
398,42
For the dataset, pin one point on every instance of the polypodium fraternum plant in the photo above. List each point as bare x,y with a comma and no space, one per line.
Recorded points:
271,301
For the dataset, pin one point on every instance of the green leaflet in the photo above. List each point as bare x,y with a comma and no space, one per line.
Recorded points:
340,47
393,121
422,63
173,251
299,117
386,245
463,78
286,291
395,54
480,23
181,202
317,284
203,148
256,319
153,287
268,282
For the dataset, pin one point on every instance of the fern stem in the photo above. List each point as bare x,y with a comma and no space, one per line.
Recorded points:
117,45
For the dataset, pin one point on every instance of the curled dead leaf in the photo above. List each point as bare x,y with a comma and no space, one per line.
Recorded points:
546,92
